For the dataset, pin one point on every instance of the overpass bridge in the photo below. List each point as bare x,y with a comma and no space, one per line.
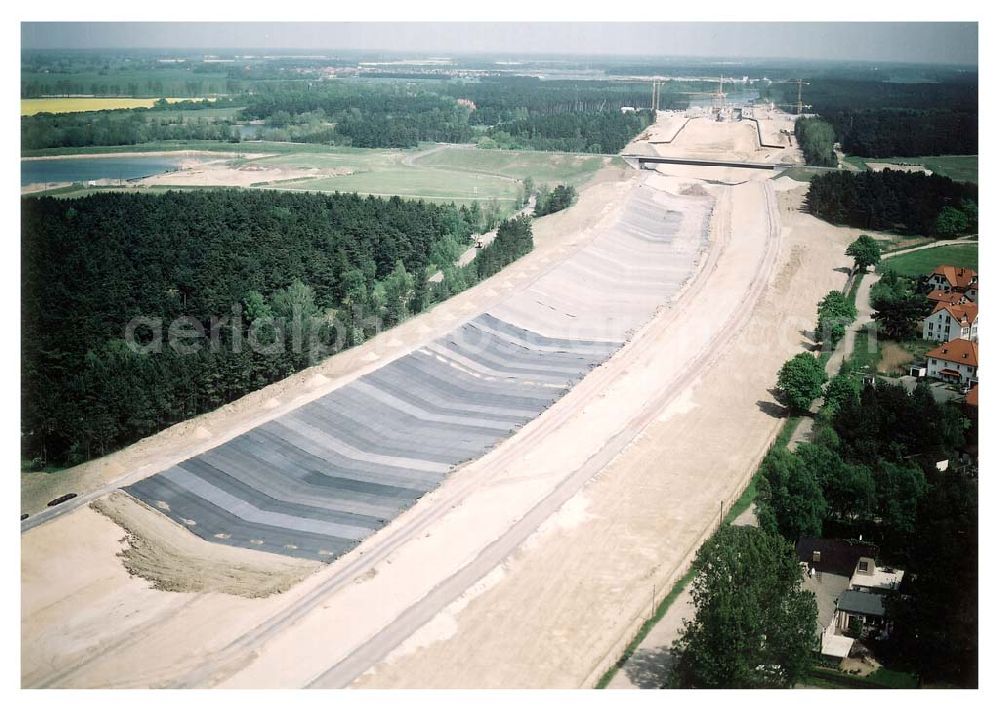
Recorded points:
640,162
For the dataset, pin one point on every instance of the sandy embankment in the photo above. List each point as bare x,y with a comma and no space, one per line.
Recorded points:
71,643
175,560
225,174
574,594
565,599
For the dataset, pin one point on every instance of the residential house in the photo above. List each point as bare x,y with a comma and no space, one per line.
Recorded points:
952,321
869,577
936,296
838,557
859,613
955,362
972,294
972,397
952,278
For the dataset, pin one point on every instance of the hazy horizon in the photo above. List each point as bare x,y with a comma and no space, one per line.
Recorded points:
943,43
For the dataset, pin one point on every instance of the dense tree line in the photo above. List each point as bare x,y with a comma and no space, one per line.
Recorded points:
815,136
891,132
513,240
936,617
504,100
871,471
560,198
865,472
888,200
576,116
880,118
148,84
365,115
329,269
597,132
830,95
120,127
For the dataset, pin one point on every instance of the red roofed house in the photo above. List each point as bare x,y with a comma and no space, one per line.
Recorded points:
949,297
952,321
972,397
952,278
972,294
955,362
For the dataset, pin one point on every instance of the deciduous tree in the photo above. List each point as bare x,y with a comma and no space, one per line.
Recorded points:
800,381
754,626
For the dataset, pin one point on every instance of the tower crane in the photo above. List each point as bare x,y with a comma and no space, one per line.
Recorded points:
799,106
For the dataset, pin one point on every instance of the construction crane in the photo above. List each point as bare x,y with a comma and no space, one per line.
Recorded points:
655,104
799,106
718,96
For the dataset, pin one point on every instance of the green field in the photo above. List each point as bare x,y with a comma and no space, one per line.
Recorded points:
543,167
437,185
961,168
800,173
458,174
922,262
434,173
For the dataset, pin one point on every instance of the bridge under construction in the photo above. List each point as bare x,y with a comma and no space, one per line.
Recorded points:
641,162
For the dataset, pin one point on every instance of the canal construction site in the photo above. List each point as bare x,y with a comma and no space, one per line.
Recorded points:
488,495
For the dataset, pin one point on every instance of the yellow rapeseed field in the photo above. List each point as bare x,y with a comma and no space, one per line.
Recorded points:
31,106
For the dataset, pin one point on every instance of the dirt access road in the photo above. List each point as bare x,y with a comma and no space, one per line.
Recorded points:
517,564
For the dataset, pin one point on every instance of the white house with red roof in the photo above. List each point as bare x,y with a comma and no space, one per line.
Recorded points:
936,296
952,278
955,362
952,321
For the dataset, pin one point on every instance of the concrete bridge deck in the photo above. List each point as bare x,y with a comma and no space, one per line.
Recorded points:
637,161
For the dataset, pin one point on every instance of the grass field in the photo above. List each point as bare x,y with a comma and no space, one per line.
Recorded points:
436,185
962,168
462,175
543,167
921,262
454,174
800,173
33,106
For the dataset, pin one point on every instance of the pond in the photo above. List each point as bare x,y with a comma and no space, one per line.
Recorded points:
92,168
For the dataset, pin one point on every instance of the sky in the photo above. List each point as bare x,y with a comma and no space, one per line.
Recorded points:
918,42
